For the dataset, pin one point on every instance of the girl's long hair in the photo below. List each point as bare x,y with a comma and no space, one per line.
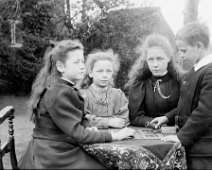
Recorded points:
140,70
91,60
49,74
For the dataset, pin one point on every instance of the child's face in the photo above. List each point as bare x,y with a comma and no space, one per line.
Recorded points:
102,73
187,52
157,61
73,68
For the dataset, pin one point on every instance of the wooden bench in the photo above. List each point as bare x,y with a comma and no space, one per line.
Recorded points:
8,147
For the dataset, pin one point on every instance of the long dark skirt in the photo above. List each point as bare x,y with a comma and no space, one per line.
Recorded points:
48,154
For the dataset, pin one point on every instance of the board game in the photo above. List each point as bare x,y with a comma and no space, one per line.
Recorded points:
144,133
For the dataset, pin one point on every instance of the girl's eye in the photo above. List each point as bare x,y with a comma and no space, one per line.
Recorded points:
183,50
160,59
79,61
150,59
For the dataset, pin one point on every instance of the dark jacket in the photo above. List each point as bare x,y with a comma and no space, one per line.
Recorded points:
195,117
146,101
59,132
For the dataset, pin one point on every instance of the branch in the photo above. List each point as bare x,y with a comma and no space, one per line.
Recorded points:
99,4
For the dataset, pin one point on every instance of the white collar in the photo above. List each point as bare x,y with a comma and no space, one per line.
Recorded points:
67,80
204,61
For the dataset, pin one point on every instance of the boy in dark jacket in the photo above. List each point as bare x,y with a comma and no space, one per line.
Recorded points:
194,111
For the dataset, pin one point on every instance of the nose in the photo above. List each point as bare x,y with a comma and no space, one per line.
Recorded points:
104,74
82,66
182,55
155,63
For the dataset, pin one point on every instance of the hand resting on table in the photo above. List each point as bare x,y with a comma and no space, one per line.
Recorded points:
123,134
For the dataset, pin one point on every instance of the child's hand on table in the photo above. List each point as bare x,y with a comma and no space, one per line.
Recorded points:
123,134
116,122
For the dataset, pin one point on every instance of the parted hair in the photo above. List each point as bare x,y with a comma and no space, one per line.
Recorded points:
194,32
92,58
140,70
49,74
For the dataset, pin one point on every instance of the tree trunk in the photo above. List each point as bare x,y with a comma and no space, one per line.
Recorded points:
68,12
83,17
190,10
68,19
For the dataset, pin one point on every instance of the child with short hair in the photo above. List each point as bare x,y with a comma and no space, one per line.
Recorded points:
194,116
108,106
57,109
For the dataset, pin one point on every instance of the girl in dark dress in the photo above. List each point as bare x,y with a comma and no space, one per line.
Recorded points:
57,110
153,84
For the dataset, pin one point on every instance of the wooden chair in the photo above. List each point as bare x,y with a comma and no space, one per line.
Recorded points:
8,147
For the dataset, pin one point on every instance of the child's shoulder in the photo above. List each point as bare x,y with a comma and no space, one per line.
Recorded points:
116,91
60,89
83,92
117,95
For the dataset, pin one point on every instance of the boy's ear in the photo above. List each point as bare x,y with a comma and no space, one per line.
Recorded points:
200,45
60,66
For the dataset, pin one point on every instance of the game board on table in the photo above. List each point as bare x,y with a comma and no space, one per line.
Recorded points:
144,133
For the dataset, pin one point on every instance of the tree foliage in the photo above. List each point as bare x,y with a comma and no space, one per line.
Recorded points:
120,29
123,30
19,65
191,11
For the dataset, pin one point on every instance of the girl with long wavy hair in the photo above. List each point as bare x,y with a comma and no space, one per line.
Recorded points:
57,109
107,106
154,83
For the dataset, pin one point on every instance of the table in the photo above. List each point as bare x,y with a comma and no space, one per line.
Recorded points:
139,153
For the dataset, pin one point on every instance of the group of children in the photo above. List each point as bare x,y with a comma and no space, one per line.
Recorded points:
70,101
57,109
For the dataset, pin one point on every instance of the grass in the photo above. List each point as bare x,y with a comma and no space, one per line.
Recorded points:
22,125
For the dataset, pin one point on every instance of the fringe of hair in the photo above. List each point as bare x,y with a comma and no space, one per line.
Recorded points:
98,55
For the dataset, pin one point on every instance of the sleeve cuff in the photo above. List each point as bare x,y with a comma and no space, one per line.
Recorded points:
108,137
105,123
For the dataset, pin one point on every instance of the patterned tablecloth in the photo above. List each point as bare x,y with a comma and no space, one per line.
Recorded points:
139,154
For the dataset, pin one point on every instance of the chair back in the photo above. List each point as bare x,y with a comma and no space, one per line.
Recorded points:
9,146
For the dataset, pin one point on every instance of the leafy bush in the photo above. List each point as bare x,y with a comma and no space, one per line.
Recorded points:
18,68
123,31
120,30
